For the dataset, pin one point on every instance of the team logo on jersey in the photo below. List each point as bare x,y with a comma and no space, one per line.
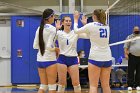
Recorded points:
46,26
98,24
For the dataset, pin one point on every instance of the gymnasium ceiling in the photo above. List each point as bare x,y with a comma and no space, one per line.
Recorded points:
37,6
126,7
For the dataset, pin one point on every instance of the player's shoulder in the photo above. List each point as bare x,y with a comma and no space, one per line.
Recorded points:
89,24
93,24
59,32
105,26
49,26
72,32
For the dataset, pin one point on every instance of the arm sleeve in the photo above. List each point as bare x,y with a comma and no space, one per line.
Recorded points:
51,40
83,35
36,40
83,29
127,45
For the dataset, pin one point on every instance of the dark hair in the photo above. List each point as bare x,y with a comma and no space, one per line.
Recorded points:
46,14
62,27
101,16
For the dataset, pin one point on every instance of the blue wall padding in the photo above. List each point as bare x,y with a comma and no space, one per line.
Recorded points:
121,26
24,69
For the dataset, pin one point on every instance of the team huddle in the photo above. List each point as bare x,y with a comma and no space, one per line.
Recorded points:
55,61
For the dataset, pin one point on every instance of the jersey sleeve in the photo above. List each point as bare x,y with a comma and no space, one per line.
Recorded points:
83,35
36,40
83,29
51,40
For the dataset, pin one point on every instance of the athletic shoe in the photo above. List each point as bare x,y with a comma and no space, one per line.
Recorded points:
138,88
129,88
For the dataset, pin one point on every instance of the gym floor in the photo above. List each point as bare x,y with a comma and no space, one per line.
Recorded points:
34,90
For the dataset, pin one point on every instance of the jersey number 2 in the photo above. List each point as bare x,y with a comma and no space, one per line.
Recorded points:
103,33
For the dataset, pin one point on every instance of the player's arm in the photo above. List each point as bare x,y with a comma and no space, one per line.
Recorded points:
76,29
80,30
51,40
83,35
36,40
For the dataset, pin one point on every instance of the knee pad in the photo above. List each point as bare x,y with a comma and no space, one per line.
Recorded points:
77,88
61,88
52,86
43,87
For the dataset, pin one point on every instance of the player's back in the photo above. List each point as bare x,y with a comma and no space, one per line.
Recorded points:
48,36
99,38
99,35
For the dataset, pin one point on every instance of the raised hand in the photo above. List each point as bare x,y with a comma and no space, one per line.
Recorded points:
76,16
84,20
58,24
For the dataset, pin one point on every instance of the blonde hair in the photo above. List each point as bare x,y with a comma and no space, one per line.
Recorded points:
101,16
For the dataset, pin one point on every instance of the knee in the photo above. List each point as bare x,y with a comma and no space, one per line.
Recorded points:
94,85
74,83
104,84
93,89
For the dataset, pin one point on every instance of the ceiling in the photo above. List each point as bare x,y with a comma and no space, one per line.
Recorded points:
37,6
126,7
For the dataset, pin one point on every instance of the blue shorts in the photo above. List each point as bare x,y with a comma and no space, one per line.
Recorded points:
45,64
68,61
101,63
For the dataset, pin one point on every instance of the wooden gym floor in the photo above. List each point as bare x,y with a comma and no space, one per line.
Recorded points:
34,90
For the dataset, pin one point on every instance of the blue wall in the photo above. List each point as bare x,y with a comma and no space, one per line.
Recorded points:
24,69
20,40
121,26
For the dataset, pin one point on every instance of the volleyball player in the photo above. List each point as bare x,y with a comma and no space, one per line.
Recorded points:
99,65
67,61
46,56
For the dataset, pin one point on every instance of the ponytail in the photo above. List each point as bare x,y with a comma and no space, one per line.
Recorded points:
101,16
45,16
41,41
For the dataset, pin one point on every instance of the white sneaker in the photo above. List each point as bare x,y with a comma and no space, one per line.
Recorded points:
138,88
129,88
